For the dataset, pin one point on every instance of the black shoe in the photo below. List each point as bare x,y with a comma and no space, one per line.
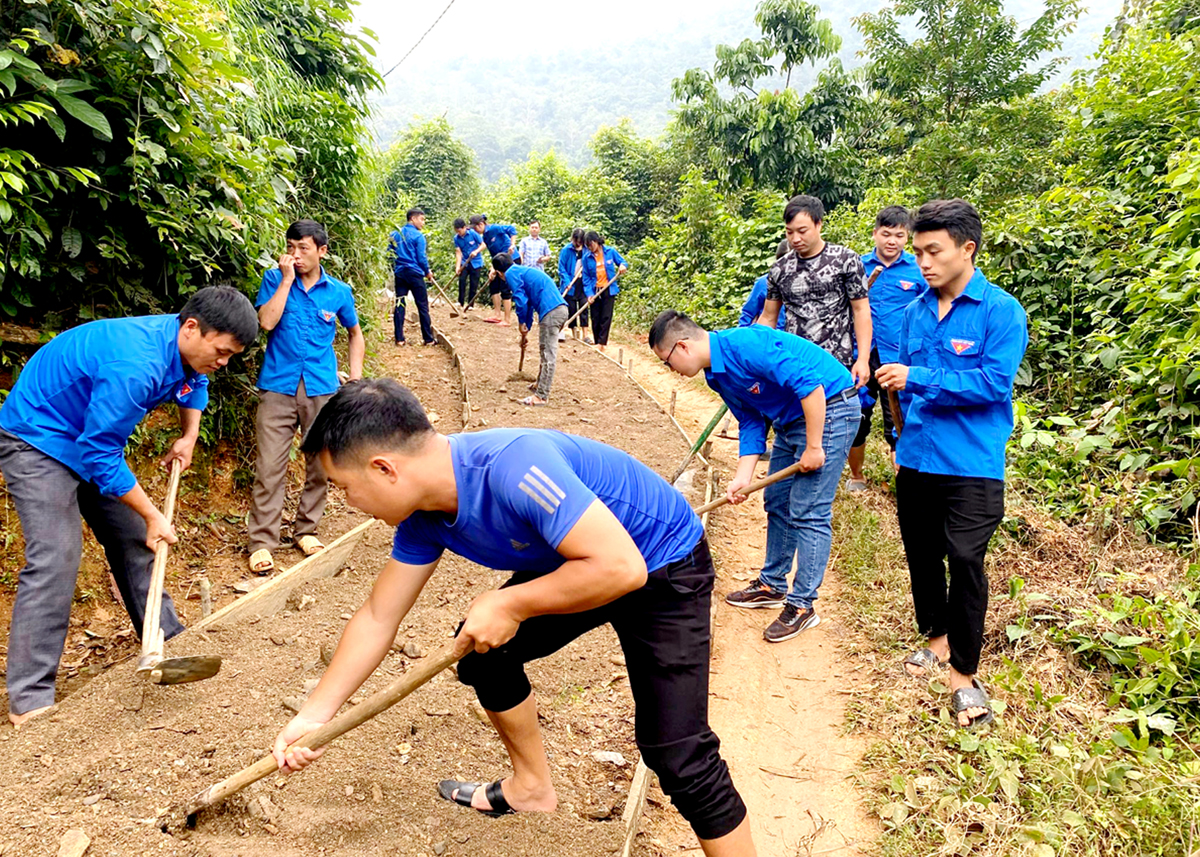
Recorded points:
791,622
757,594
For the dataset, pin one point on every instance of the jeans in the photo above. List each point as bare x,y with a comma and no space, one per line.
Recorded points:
800,509
411,281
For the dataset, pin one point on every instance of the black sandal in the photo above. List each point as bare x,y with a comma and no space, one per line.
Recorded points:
972,697
926,660
492,791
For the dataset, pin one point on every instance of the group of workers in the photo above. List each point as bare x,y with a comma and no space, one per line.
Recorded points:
590,535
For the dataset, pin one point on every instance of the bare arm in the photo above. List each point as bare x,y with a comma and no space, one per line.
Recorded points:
770,313
861,310
357,348
189,433
270,312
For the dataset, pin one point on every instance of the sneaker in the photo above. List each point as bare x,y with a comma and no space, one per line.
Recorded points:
757,594
562,337
791,622
854,486
587,340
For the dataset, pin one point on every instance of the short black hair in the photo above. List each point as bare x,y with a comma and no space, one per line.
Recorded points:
535,220
225,310
894,217
957,216
593,235
476,219
783,249
411,213
577,234
459,223
368,415
804,204
308,229
670,326
502,262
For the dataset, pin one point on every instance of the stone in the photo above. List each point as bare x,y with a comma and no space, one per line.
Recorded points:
412,650
439,848
609,757
376,793
91,800
73,843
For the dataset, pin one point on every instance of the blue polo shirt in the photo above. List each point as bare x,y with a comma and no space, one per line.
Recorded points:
520,491
301,345
898,285
568,258
81,395
611,260
467,242
498,239
532,292
754,304
958,398
764,373
408,251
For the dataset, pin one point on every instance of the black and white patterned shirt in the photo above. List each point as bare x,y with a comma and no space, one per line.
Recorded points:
816,293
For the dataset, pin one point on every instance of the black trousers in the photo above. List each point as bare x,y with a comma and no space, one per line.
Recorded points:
664,632
472,274
602,315
411,281
575,299
949,518
880,396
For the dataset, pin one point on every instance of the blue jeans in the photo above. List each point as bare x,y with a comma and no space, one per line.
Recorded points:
800,509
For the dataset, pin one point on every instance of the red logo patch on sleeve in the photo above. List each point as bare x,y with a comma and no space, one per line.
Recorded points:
755,389
961,345
185,390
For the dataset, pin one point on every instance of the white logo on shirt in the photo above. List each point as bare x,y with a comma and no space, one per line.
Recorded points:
542,489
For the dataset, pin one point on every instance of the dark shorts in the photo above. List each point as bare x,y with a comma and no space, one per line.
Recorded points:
500,287
880,395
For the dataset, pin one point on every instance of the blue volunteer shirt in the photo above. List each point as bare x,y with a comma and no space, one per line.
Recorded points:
499,238
611,260
81,395
569,258
764,373
532,292
408,251
467,242
898,285
520,491
753,307
958,398
301,345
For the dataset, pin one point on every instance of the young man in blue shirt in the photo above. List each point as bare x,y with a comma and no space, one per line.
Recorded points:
961,344
410,262
63,430
498,238
592,537
570,283
468,261
299,306
766,374
534,292
898,284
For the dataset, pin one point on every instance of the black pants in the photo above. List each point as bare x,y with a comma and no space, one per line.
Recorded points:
472,274
880,395
602,314
575,299
949,517
664,632
411,281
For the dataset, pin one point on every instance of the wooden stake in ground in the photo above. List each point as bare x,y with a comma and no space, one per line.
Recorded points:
712,424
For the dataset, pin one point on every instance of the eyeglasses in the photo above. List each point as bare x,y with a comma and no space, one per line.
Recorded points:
667,361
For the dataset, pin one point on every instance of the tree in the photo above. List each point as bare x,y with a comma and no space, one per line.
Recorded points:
967,54
433,170
776,138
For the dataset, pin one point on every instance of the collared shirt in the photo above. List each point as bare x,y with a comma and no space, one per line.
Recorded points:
958,398
532,250
570,260
612,259
532,292
520,491
467,242
81,395
897,285
499,238
764,373
301,345
408,251
753,307
816,293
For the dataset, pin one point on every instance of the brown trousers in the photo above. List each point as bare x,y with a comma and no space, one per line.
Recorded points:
278,418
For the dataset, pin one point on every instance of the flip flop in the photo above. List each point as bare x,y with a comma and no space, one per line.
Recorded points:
972,697
924,659
529,400
261,561
309,544
491,321
492,791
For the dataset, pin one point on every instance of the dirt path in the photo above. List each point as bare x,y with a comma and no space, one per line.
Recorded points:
779,708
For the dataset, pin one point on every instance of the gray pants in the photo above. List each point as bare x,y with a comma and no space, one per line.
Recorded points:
548,327
50,499
278,418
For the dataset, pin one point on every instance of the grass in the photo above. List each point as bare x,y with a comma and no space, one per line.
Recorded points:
1093,751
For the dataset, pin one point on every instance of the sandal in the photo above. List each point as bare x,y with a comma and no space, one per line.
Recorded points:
309,544
492,791
925,660
532,401
261,561
972,697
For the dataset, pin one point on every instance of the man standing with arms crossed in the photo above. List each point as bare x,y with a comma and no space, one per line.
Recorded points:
299,305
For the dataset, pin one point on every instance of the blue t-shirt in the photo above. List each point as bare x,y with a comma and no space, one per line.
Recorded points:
301,344
761,372
532,292
498,239
81,395
467,242
897,285
753,307
520,491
